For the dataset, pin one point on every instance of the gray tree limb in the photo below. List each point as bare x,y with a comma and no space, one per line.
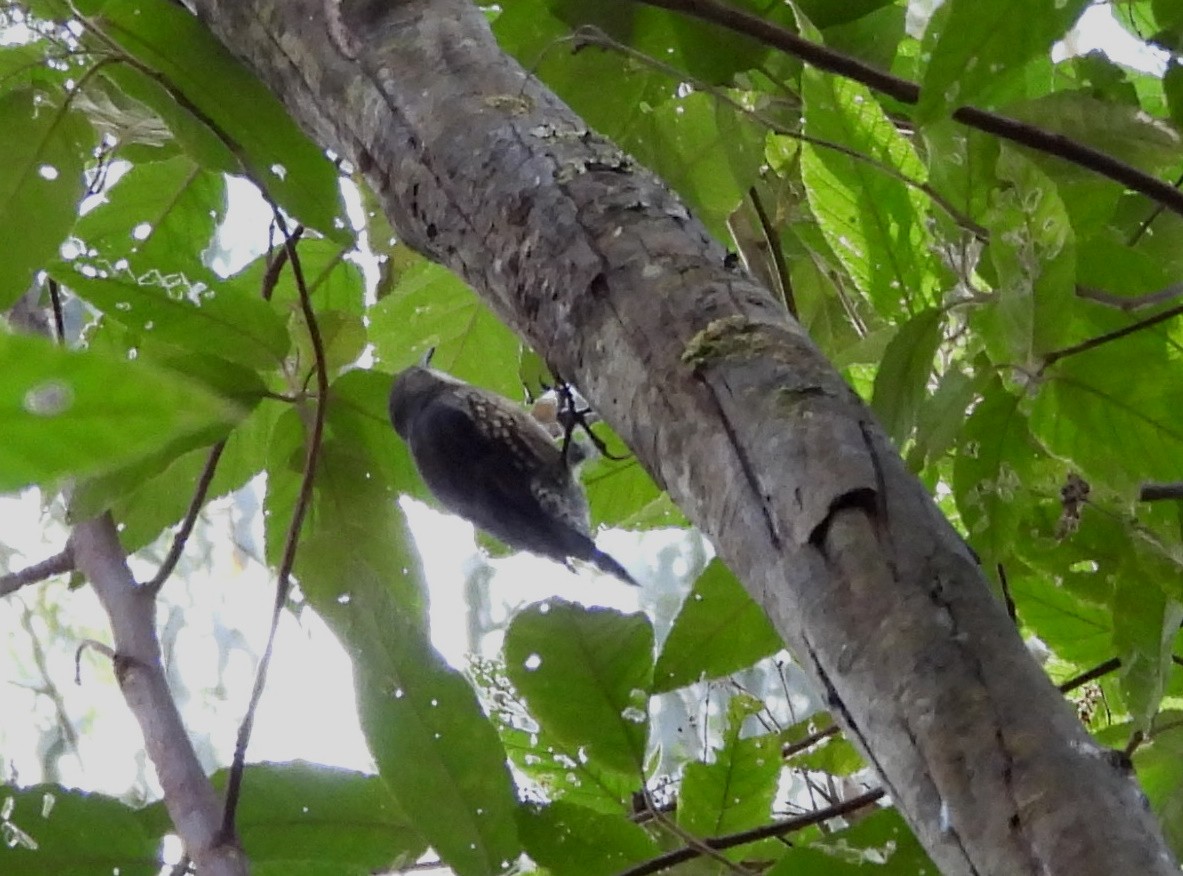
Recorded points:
195,809
729,406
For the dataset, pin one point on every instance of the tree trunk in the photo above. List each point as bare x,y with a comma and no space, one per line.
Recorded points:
729,406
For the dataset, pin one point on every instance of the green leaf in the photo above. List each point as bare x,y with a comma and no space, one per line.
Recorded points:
873,36
977,48
621,493
827,14
357,414
719,630
569,839
873,222
834,754
993,473
1076,630
49,829
877,835
961,163
164,500
529,30
220,322
342,335
1120,431
42,152
709,153
144,507
302,812
25,65
75,414
200,142
334,282
434,747
431,307
158,217
1033,253
586,675
942,415
1159,767
703,51
558,770
175,45
901,382
735,791
1145,626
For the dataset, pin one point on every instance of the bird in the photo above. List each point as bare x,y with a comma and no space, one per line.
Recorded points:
488,460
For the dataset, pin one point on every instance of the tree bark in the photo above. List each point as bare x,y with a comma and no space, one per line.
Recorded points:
729,406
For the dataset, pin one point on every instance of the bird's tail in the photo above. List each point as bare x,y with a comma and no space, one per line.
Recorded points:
606,564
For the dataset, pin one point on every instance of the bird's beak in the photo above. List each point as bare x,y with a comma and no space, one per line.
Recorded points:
426,360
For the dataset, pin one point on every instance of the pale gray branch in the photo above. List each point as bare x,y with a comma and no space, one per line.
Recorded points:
55,565
188,795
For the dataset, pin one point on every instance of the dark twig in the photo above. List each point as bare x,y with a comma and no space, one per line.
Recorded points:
1056,355
95,645
794,748
1110,665
275,268
303,500
189,521
700,847
771,34
1011,611
1149,220
55,300
775,829
772,241
55,565
1160,492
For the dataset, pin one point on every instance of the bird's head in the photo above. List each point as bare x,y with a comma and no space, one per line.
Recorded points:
414,388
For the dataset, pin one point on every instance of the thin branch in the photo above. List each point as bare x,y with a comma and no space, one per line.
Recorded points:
95,645
189,521
691,841
1149,220
739,21
1101,669
1056,355
303,500
55,300
795,748
1149,493
775,829
1128,303
1011,611
772,240
188,795
48,688
56,565
274,269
